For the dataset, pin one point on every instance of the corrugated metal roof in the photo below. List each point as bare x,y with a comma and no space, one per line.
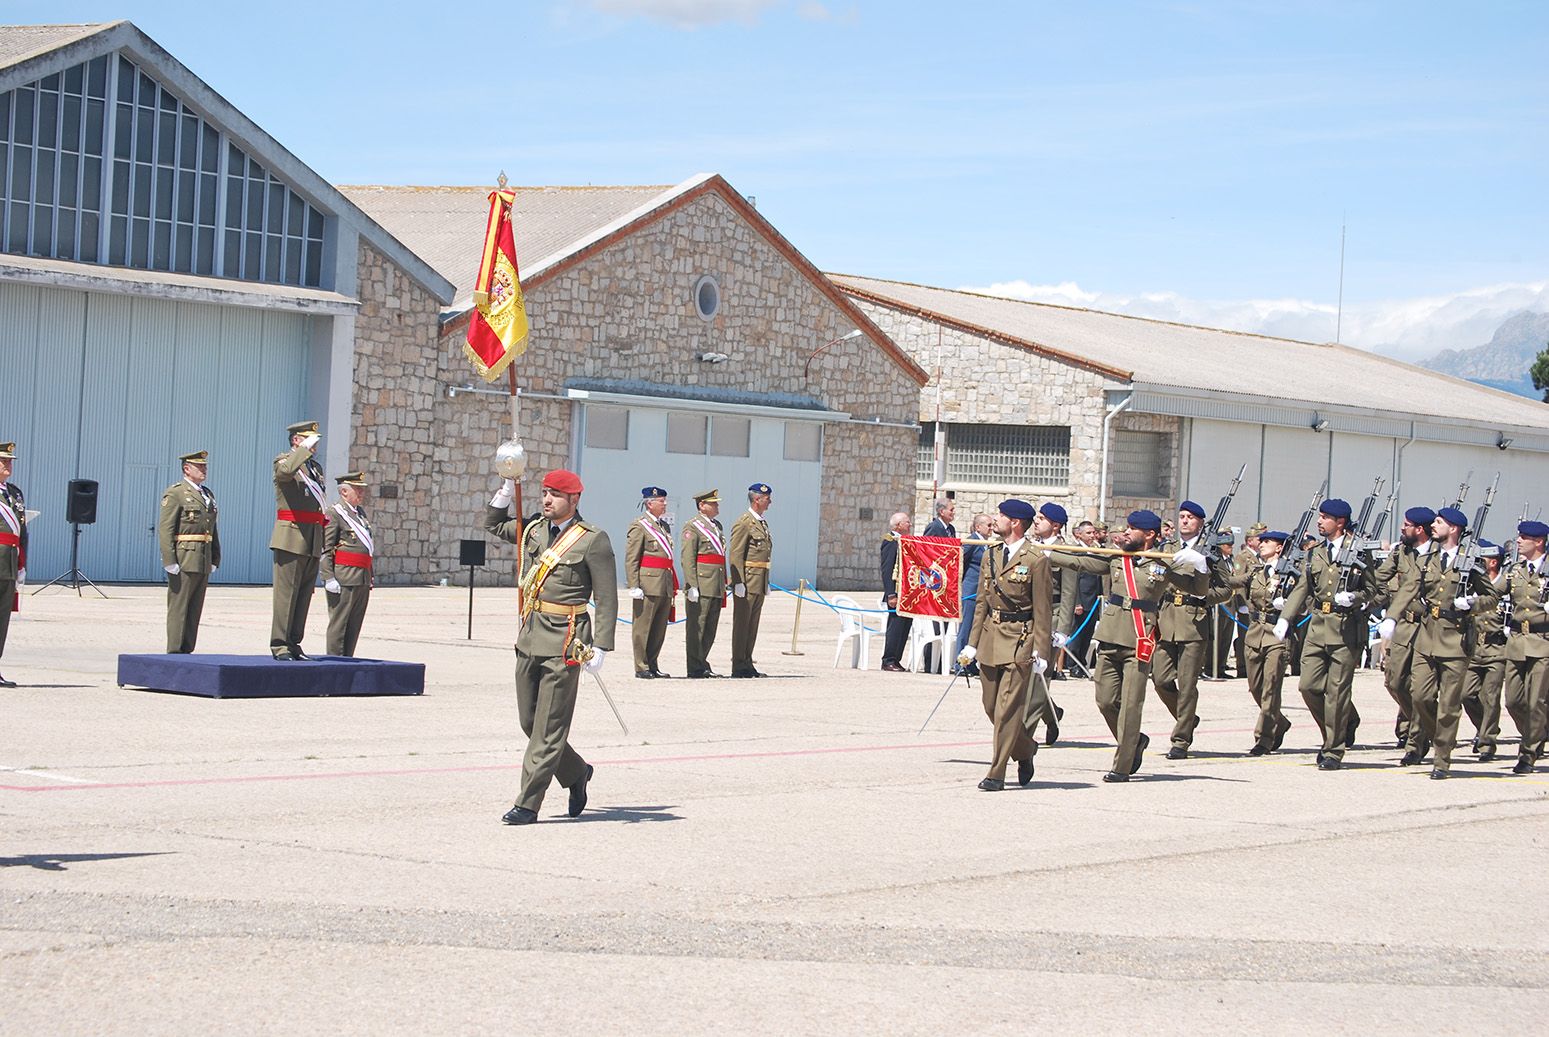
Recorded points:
445,225
18,42
1160,353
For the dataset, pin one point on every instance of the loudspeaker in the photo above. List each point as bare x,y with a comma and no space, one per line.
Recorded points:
472,553
81,504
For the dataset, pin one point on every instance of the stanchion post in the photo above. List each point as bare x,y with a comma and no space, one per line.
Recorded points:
470,603
801,592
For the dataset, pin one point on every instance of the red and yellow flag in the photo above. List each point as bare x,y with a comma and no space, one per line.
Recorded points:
930,574
497,330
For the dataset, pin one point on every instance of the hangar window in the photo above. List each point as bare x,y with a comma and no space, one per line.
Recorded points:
707,297
607,428
729,436
803,441
1001,456
685,433
1141,462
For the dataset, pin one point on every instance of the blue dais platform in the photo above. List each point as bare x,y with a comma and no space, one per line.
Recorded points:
260,676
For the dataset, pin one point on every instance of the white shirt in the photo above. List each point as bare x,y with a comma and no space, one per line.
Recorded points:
1425,548
1012,547
756,515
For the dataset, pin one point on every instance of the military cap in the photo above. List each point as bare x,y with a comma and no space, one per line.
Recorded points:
196,457
1192,508
761,488
1421,516
652,493
1275,534
1101,527
1335,507
1145,519
1017,509
1258,529
562,480
1489,550
305,428
351,479
1452,517
7,450
1533,528
708,497
1054,513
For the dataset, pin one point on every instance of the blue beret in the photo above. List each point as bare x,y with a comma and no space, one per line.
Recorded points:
1017,509
1054,513
1453,517
1275,534
1533,528
760,487
1144,519
1335,507
1489,550
1192,508
653,492
1421,516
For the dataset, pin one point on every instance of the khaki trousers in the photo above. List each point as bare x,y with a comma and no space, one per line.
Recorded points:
1527,702
1005,703
346,612
185,605
1175,669
1482,701
704,618
545,701
1328,672
1397,678
745,614
1437,693
294,577
1040,704
1121,697
650,630
1266,677
7,597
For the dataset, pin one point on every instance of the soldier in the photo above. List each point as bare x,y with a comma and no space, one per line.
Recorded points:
1264,653
751,547
348,550
1527,644
1126,627
1449,600
652,580
1049,528
1335,634
1245,561
704,581
1010,640
190,549
297,542
1487,665
1183,632
565,562
1398,584
13,546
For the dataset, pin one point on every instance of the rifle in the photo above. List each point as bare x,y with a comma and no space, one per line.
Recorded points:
1463,490
1209,534
1382,519
1288,567
1351,558
1507,605
1467,558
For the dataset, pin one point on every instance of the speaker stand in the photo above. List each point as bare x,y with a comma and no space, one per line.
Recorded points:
75,575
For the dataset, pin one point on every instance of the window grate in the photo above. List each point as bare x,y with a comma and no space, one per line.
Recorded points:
1139,461
1010,456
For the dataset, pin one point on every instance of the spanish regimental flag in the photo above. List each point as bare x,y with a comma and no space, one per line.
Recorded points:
497,331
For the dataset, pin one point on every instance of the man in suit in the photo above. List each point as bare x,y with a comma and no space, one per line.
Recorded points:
651,579
973,556
1397,586
346,564
565,563
297,541
898,627
704,581
190,545
1527,644
13,545
751,548
1010,640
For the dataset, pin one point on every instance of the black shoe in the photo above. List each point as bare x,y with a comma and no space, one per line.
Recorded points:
578,794
1177,752
1285,725
1487,754
1052,733
1437,774
1350,734
699,675
1025,772
6,684
658,673
1056,675
889,666
1401,743
1411,758
1329,763
756,673
744,673
644,675
992,785
1258,750
1113,776
283,655
1140,750
1524,765
520,816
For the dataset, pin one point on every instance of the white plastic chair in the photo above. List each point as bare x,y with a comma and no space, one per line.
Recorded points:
853,625
921,635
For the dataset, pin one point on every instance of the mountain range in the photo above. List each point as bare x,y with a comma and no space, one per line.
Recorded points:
1505,360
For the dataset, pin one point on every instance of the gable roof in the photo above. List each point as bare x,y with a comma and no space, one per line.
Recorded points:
1185,357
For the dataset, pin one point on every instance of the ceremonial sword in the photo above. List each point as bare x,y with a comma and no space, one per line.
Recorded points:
585,654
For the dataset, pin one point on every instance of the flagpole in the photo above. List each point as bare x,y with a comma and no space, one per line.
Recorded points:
516,427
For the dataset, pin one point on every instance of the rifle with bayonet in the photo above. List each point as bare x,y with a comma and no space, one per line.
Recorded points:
1210,539
1353,557
1469,551
1288,567
1463,490
1507,604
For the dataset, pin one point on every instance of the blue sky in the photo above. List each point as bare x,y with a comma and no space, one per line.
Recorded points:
1191,160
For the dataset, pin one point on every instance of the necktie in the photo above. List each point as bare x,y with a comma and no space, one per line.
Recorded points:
553,534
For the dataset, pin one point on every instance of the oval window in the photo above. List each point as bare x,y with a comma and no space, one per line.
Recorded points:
707,297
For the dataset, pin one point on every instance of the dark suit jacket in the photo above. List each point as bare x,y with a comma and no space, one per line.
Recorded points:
888,567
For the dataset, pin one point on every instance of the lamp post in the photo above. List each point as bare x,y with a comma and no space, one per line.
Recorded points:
807,371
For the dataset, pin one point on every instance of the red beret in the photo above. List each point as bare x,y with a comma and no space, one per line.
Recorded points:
563,481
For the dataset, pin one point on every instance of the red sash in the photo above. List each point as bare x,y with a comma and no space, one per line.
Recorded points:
306,518
1145,645
353,559
657,562
711,559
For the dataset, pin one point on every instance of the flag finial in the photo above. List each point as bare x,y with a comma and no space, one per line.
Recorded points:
501,181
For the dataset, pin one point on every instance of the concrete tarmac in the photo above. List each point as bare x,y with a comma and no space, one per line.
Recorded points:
781,855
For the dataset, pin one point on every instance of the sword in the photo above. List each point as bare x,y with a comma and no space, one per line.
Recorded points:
582,655
943,698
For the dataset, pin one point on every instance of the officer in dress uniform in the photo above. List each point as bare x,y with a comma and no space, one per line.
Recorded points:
190,549
704,581
348,550
1527,644
1398,585
1264,654
1126,627
1487,666
13,545
651,579
1183,637
751,548
297,542
565,562
1010,640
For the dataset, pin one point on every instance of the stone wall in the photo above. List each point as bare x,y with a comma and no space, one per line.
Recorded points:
1167,505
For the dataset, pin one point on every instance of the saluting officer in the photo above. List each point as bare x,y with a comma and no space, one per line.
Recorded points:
348,550
13,545
704,581
1397,589
190,549
652,580
566,561
297,542
1527,644
751,548
1487,664
1183,632
1264,654
1126,629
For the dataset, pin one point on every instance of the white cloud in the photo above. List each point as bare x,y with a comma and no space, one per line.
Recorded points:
687,14
1412,329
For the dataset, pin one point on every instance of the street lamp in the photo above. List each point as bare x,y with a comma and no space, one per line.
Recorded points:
806,371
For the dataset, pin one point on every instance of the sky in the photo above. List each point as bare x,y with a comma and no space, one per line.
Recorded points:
1189,160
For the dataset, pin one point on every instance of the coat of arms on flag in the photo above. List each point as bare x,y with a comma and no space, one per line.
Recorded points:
930,571
497,329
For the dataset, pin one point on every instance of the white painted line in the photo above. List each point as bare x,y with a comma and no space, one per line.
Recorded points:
51,775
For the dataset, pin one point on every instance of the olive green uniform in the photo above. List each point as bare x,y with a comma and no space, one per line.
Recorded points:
1183,641
1487,674
297,547
1334,638
652,612
1013,621
189,538
703,542
12,556
1442,651
1527,656
1396,589
751,547
546,688
1264,654
347,608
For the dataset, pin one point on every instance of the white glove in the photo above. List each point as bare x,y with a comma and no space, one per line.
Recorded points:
637,593
1040,664
1059,641
1281,629
692,594
331,586
1192,557
213,568
1386,627
741,590
310,441
594,664
967,655
505,495
1243,608
1278,603
1344,599
1463,603
173,569
21,577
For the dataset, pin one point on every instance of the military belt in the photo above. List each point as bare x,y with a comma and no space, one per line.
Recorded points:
352,559
1495,638
1189,599
1005,616
1540,626
755,565
203,538
1142,604
1272,616
1327,607
1437,612
554,608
